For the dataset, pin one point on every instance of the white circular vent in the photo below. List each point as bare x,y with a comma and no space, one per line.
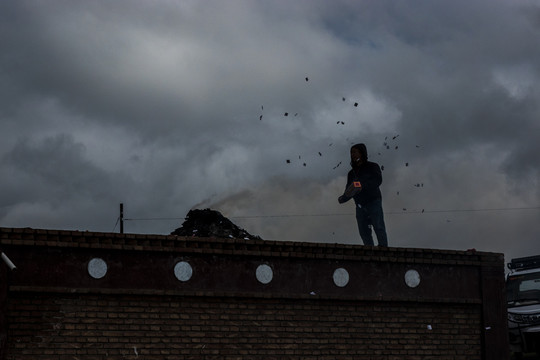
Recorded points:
412,278
183,271
97,268
264,274
341,277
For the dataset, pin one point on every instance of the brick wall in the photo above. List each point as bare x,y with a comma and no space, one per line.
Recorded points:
224,309
165,327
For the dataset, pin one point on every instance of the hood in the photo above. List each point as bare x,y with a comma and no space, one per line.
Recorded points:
363,151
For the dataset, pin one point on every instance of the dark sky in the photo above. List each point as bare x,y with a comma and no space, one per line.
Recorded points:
158,105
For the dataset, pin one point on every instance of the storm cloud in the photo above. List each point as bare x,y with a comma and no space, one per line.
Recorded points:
167,106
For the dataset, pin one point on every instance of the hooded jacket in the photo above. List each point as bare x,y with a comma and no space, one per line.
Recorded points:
370,177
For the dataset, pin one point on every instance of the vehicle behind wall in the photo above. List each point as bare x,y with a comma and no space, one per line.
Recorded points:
523,299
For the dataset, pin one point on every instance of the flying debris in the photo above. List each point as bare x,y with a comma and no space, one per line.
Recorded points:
397,193
397,147
320,153
404,209
406,164
343,99
394,138
355,104
304,164
335,167
260,118
288,161
307,79
262,107
286,114
422,211
382,168
296,114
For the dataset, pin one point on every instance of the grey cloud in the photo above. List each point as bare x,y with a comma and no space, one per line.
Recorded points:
159,104
59,167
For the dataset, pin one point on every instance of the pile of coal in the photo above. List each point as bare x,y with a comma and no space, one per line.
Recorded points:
210,223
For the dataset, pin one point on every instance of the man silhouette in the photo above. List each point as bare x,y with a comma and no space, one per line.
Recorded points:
363,182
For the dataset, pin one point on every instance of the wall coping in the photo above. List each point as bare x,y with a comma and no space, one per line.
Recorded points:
241,247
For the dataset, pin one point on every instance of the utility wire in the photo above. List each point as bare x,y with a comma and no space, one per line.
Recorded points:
403,212
117,220
464,210
156,218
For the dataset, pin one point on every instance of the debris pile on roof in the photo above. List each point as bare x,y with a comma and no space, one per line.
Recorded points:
210,223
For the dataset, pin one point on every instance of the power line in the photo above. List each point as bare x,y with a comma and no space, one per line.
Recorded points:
465,210
156,218
117,220
403,212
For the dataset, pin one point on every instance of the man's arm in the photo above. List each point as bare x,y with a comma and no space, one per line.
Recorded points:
351,189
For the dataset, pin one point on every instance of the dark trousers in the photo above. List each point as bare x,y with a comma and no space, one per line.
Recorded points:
371,214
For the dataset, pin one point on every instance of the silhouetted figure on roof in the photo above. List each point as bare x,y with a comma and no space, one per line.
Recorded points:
363,182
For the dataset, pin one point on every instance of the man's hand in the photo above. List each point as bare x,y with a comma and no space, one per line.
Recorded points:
353,189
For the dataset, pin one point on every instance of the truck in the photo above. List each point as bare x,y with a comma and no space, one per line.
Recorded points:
523,305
